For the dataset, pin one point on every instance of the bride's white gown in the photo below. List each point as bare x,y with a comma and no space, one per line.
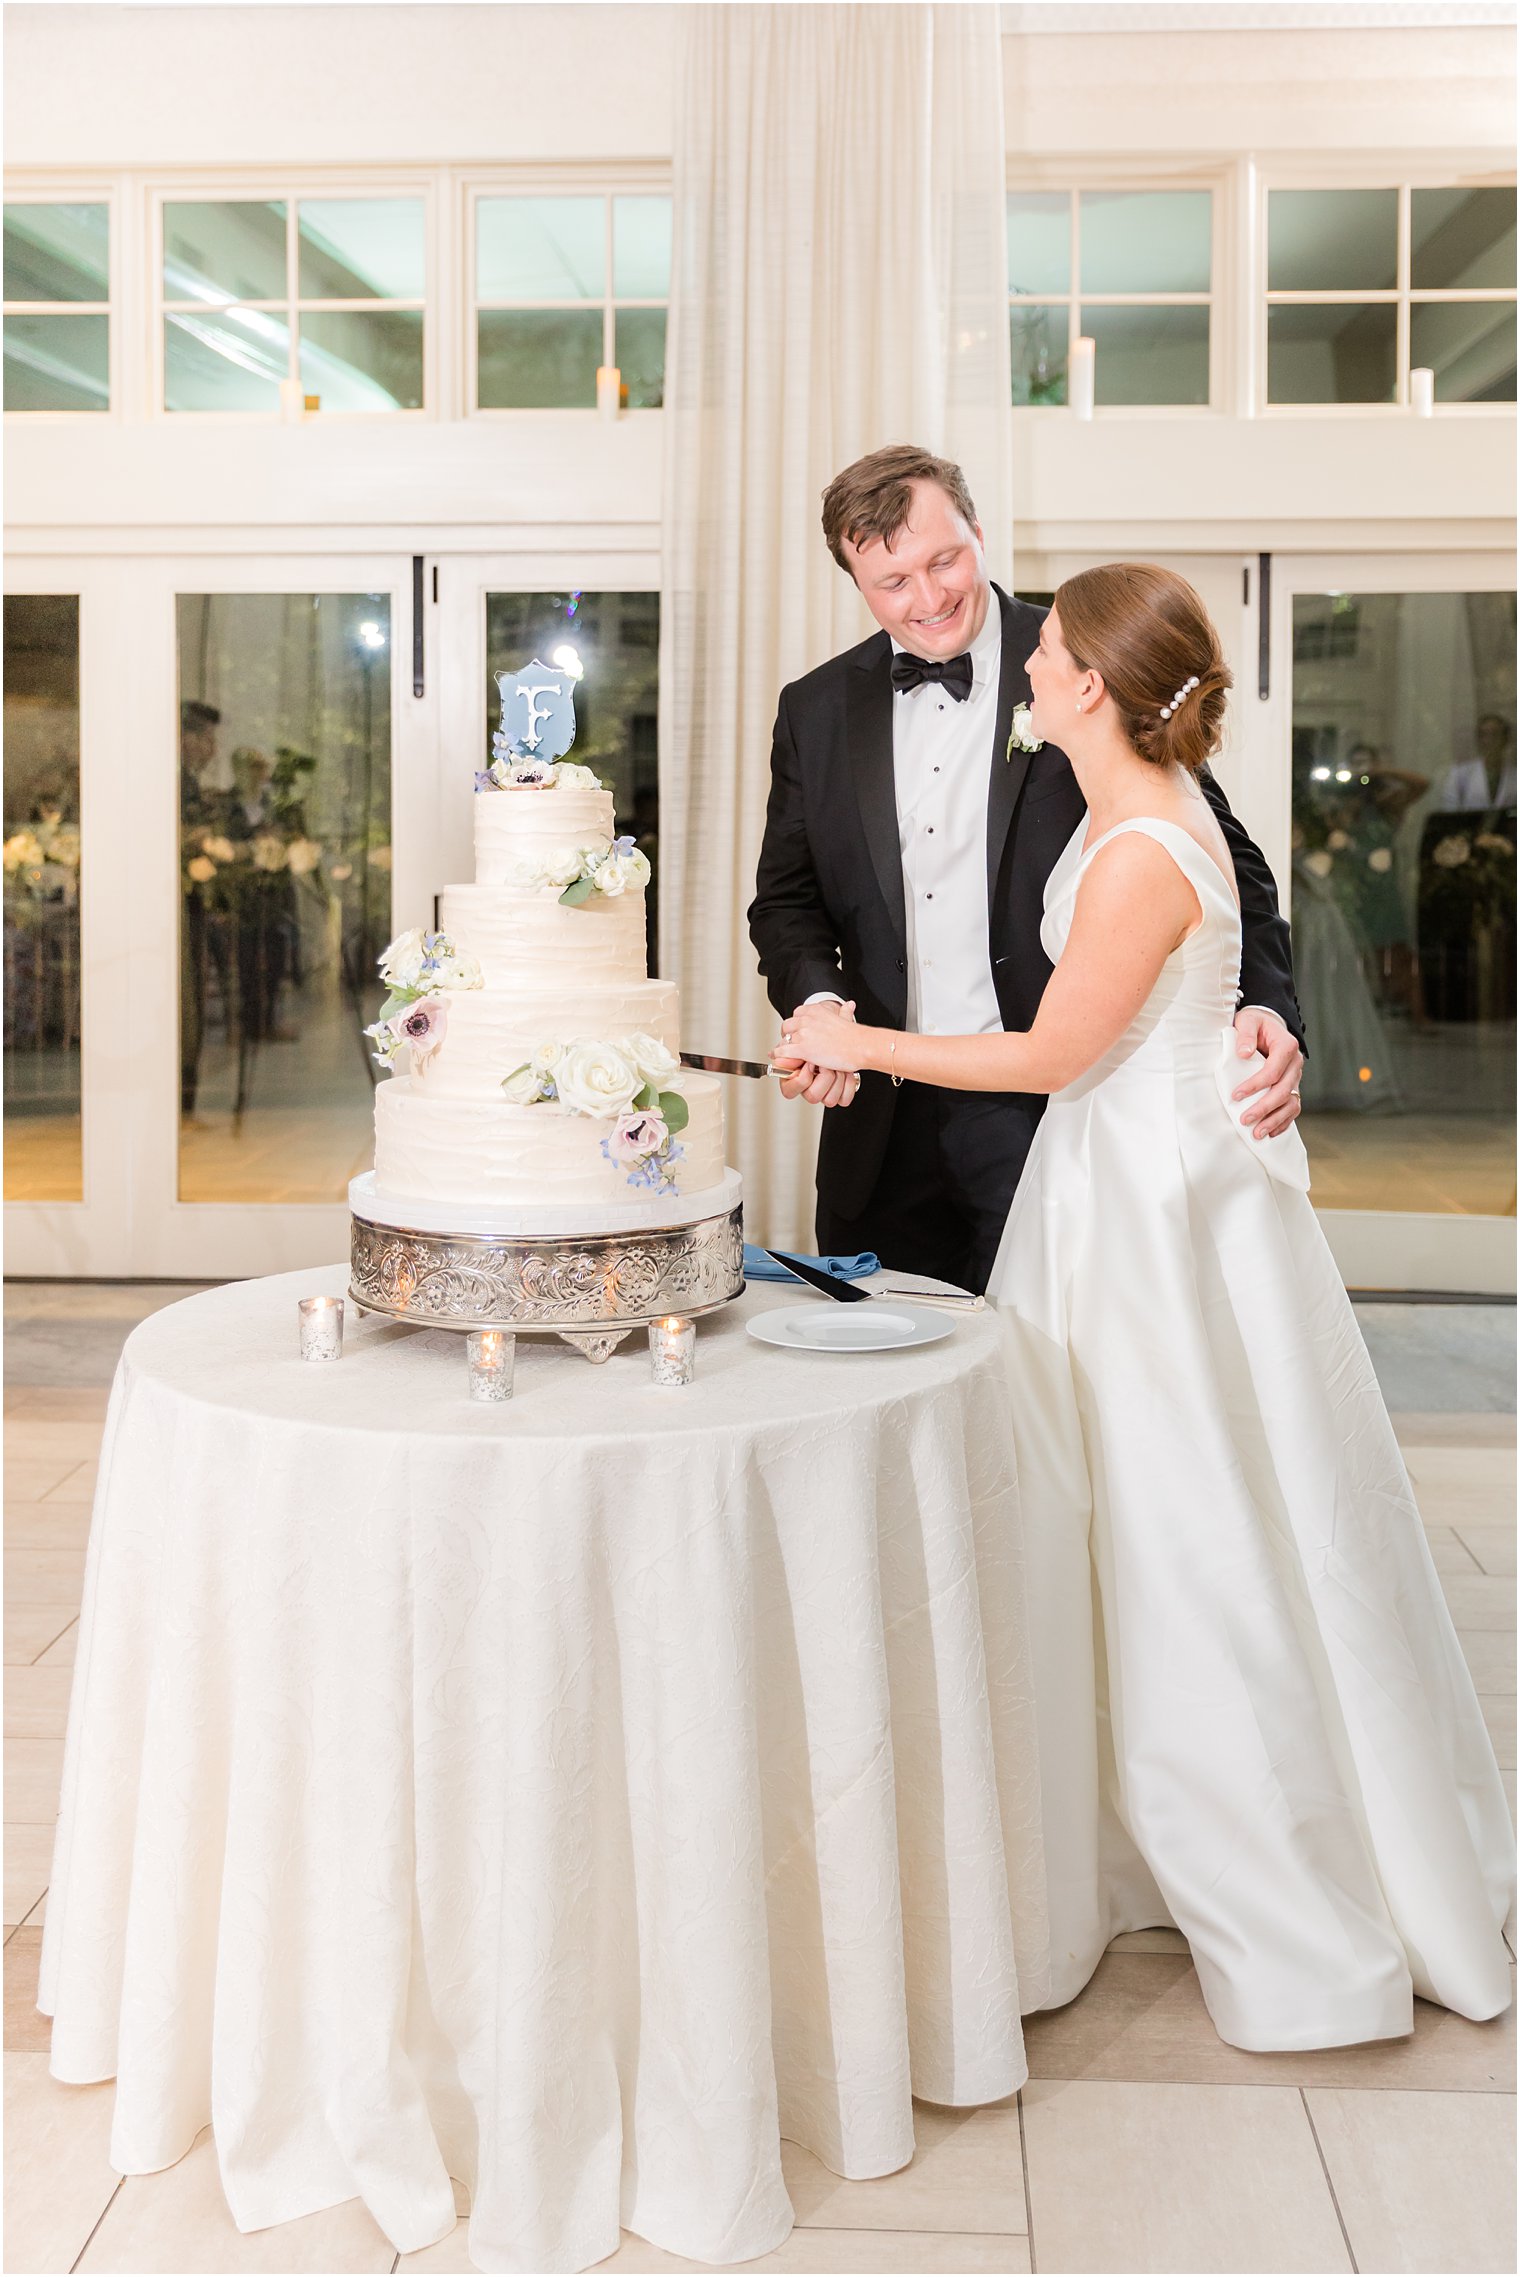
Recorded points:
1255,1718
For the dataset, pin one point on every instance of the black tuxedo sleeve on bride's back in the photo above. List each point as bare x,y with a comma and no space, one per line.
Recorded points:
789,923
1266,949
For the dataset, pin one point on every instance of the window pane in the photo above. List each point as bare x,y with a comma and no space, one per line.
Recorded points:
361,248
57,252
57,363
233,250
1461,237
1039,241
1469,345
1338,352
615,638
358,360
285,750
1150,355
1037,337
229,359
1403,896
641,248
1326,241
640,351
42,1120
541,249
1146,241
539,356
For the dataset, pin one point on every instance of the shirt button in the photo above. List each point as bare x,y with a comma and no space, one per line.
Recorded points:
936,770
931,830
928,897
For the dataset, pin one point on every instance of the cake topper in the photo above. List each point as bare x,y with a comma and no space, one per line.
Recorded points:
537,713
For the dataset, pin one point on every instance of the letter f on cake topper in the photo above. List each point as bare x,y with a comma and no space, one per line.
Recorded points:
538,710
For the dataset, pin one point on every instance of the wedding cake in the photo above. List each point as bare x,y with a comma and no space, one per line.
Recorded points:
536,1084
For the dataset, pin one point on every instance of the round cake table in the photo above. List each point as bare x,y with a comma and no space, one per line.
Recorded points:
572,1796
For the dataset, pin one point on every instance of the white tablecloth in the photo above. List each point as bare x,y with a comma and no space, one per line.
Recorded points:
572,1797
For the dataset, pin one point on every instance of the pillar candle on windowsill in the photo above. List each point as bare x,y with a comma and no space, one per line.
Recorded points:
1081,375
1422,392
609,390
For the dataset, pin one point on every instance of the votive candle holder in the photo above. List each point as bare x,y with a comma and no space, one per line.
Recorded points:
672,1352
321,1328
492,1353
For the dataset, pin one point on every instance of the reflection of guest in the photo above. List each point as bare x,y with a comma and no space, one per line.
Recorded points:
1375,806
266,904
203,942
1486,780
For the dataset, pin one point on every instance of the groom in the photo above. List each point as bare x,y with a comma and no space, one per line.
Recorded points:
907,844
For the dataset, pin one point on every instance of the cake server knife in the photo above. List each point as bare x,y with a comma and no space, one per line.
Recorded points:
713,1065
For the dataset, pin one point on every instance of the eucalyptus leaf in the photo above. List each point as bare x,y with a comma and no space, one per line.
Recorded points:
675,1111
397,1001
648,1100
574,895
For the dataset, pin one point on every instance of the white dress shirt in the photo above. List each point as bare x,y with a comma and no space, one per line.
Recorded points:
942,760
1465,789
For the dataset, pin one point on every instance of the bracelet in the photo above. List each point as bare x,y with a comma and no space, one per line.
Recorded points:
897,1080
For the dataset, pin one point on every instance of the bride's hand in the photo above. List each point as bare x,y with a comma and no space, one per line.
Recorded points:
824,1034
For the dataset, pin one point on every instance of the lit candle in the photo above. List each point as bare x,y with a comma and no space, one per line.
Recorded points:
1081,377
321,1328
491,1353
1422,392
609,390
672,1352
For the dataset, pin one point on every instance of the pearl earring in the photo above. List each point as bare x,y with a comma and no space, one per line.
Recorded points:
1079,707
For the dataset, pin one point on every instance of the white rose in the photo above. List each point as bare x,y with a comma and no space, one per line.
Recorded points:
525,873
547,1058
522,1088
564,865
1318,864
303,856
268,852
574,778
459,971
1380,859
655,1064
608,877
636,869
401,964
595,1079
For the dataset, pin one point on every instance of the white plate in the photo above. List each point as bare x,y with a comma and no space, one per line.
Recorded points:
828,1326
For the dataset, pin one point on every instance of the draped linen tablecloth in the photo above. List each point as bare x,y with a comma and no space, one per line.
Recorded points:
572,1797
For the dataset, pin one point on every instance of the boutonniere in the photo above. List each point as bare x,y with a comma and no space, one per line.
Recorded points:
1020,738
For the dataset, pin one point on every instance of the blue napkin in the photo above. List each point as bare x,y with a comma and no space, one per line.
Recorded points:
759,1267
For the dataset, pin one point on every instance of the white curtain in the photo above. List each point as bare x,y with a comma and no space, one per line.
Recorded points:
840,283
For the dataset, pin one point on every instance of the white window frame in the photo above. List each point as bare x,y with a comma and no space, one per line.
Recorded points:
1073,176
1451,171
292,186
81,190
631,180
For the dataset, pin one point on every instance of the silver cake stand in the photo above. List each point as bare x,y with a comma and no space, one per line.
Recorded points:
438,1267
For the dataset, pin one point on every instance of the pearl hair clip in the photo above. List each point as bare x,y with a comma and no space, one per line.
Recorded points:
1177,701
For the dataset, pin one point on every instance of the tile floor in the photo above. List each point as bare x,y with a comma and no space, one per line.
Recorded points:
1140,2143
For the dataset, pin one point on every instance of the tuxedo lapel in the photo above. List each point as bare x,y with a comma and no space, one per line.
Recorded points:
1008,772
869,705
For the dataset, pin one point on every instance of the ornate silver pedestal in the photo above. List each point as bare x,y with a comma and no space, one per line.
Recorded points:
590,1289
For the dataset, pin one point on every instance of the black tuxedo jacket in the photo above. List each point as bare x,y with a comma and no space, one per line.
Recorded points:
828,908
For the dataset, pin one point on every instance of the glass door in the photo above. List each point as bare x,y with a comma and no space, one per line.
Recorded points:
1394,695
251,796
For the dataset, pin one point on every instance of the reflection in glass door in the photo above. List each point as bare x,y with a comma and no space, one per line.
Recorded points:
284,809
43,1122
1403,896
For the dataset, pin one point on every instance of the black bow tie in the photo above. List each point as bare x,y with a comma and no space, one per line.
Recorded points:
953,674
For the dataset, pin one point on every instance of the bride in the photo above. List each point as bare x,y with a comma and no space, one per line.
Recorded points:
1255,1717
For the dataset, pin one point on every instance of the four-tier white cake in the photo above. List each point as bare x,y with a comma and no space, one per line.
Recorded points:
541,1090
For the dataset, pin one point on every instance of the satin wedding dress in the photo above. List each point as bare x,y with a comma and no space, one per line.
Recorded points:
1255,1718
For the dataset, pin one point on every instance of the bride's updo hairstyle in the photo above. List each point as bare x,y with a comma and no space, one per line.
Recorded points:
1146,631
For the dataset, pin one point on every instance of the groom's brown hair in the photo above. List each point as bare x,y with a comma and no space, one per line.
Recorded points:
874,497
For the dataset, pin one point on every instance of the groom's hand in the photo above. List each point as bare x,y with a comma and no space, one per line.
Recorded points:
820,1086
1273,1088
